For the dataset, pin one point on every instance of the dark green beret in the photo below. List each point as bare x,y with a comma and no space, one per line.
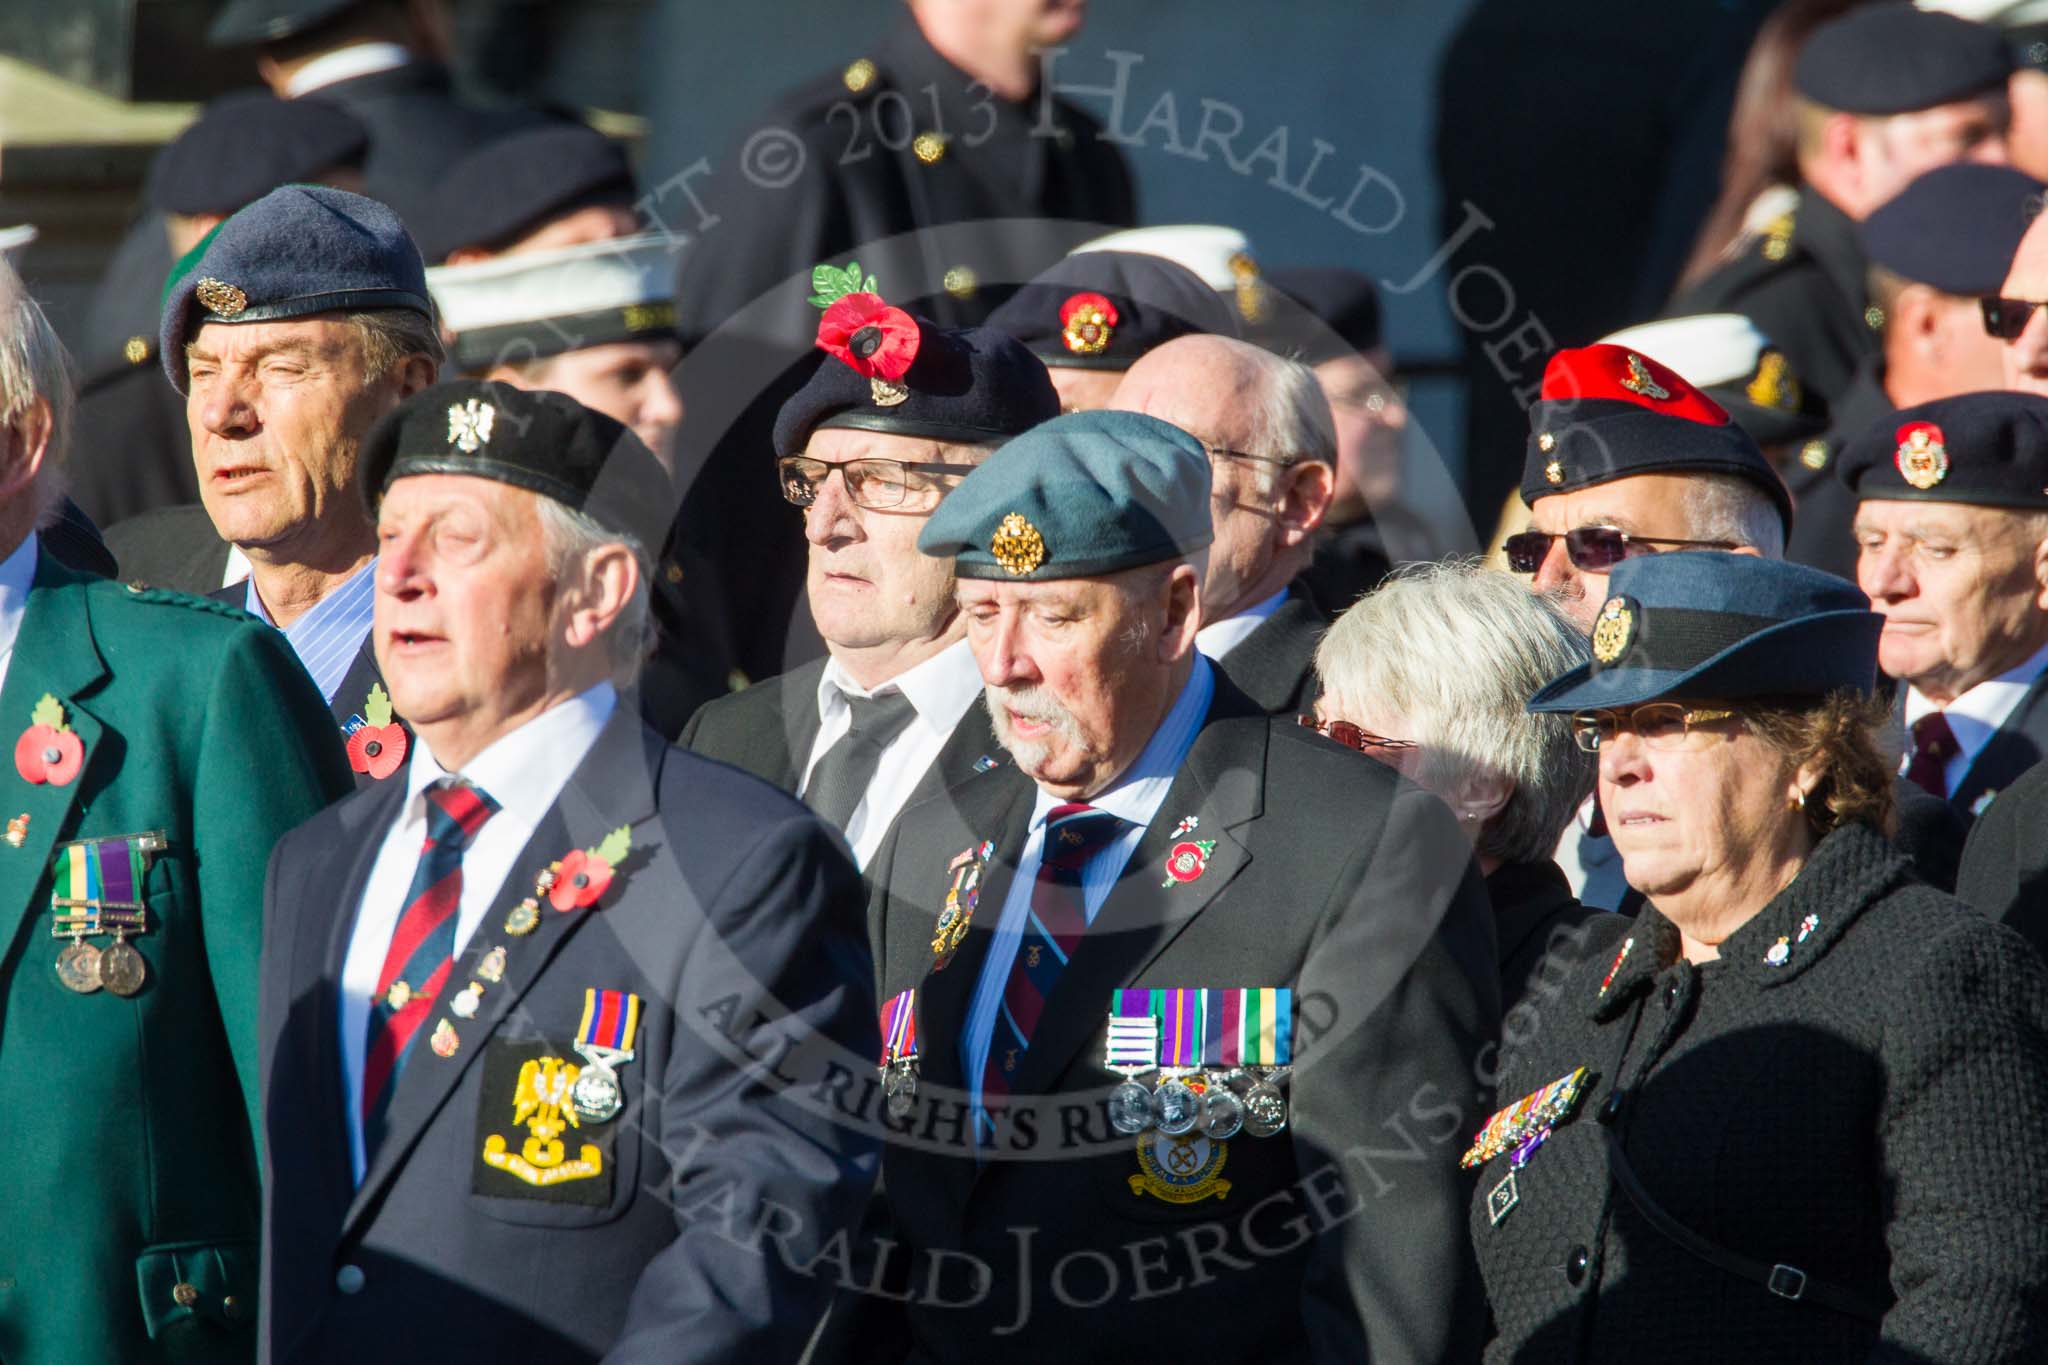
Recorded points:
1080,496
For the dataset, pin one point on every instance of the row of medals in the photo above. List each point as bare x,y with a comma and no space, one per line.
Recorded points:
118,967
1219,1101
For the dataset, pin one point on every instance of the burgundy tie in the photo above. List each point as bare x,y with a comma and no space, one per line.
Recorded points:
1934,744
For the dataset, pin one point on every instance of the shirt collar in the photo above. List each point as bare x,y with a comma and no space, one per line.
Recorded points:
554,741
940,689
1977,714
1136,795
17,576
345,64
1220,637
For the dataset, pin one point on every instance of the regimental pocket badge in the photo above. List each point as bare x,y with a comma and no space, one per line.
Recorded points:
533,1143
96,890
1180,1170
963,893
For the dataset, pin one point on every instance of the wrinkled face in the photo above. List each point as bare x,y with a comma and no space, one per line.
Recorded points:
2026,356
867,582
1370,419
1076,673
1960,588
627,381
1083,390
277,411
1696,816
464,604
1897,150
1642,505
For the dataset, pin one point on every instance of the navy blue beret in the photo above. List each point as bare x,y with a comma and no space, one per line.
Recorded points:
1607,412
1082,495
244,145
545,442
1707,625
968,387
1989,449
1337,313
265,21
511,185
1955,228
297,251
1895,58
1102,310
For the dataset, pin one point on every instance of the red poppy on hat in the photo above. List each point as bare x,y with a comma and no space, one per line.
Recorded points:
1618,374
1089,320
878,341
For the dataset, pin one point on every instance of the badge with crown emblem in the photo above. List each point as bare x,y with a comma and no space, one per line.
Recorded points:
469,425
1613,630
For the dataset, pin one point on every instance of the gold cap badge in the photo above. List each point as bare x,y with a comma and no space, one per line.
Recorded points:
469,425
859,75
1814,454
1774,385
928,147
1613,630
1017,546
1921,457
136,350
1638,380
220,298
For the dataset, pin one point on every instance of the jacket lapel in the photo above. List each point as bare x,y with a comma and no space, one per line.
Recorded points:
2016,746
1272,664
613,786
972,741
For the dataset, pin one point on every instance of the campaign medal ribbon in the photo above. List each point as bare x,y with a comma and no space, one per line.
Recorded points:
963,893
605,1041
1219,1054
899,1053
1132,1049
1523,1126
95,889
1176,1105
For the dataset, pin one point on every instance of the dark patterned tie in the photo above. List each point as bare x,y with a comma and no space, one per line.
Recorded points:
842,777
422,950
1934,744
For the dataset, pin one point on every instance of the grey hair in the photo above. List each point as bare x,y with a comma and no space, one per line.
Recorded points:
571,535
1724,507
1457,649
1290,415
391,335
34,364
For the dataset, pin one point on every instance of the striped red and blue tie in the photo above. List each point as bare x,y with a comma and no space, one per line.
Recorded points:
1074,833
422,948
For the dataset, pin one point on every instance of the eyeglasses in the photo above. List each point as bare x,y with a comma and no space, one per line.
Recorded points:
1226,453
1354,736
883,485
1595,549
1659,724
2007,318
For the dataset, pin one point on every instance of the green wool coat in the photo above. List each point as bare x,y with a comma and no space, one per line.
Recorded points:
129,1215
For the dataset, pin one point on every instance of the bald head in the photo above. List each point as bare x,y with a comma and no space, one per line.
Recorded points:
1271,443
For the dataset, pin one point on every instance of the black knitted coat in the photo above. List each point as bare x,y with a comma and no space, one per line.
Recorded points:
1871,1108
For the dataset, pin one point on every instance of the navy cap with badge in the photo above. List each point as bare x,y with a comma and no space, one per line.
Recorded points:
512,185
1606,412
1086,494
244,145
1987,449
545,442
904,376
1894,58
1710,625
1103,310
297,251
1955,228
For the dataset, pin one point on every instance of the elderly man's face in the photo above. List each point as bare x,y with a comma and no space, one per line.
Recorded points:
1370,420
627,381
1079,671
1961,589
2026,357
277,411
465,599
1651,505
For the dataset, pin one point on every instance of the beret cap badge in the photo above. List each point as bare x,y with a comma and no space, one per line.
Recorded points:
1088,321
469,425
1017,546
1773,385
1922,457
220,298
1639,380
1614,629
861,331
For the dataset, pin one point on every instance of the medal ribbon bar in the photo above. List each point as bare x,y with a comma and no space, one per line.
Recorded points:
899,1028
610,1019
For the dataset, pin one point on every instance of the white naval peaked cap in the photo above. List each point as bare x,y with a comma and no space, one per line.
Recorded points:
1216,253
1999,13
529,305
1709,349
13,239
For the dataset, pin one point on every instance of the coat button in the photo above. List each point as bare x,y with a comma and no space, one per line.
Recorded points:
232,1307
1575,1265
1611,1110
349,1279
1671,995
185,1295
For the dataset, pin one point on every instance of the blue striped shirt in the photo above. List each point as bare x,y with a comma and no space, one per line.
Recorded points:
1136,797
327,637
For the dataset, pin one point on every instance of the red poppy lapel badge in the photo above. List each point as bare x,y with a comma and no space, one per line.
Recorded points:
586,873
377,746
865,333
1189,858
49,750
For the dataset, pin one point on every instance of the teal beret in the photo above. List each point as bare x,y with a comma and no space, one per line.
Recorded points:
1082,495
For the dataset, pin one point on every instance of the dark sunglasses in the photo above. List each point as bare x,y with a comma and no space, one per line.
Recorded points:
1353,736
2007,318
1596,549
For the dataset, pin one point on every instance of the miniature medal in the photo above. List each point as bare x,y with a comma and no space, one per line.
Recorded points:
78,967
121,968
899,1054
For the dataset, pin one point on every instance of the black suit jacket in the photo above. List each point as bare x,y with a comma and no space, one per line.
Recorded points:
736,920
1330,875
2005,862
2018,745
1275,664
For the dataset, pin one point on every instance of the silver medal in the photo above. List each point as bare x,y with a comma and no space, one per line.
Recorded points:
596,1095
1222,1114
1176,1108
1265,1110
1130,1108
899,1090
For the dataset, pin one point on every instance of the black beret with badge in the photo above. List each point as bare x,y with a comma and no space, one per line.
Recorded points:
1894,58
544,442
1986,449
1102,310
297,251
512,185
904,376
1955,228
534,304
1606,412
244,145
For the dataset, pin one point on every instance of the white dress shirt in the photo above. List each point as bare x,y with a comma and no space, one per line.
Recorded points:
940,690
17,576
1975,716
345,64
1219,638
524,772
1134,797
237,569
